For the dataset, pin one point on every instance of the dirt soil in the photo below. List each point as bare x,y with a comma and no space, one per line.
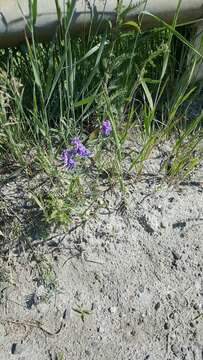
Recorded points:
125,285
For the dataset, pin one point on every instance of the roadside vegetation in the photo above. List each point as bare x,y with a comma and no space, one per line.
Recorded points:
68,108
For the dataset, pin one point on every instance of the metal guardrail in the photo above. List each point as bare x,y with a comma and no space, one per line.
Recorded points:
14,15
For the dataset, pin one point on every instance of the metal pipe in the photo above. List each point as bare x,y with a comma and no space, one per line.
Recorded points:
14,15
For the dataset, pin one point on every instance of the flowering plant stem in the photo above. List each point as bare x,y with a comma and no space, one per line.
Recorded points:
116,139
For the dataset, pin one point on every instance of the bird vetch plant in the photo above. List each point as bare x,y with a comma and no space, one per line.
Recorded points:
106,128
68,159
68,156
79,148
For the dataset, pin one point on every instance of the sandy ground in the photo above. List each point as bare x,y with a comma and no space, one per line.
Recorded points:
125,285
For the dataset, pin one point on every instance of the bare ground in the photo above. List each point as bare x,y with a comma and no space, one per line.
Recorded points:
126,284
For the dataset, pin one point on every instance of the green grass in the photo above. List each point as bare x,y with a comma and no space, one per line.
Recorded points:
50,93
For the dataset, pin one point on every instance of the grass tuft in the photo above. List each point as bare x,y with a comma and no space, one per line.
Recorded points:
51,93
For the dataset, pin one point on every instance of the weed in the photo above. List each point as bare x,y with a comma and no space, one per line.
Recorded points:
47,285
82,312
60,356
99,87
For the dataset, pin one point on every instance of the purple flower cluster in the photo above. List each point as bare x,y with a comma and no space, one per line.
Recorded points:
106,128
68,156
79,148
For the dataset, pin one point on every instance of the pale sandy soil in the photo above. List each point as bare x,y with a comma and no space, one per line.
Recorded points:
125,285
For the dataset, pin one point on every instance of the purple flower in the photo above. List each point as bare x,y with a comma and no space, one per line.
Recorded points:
71,164
83,151
76,143
68,158
79,148
106,128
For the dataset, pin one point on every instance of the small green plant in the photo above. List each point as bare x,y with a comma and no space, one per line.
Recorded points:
52,93
45,276
187,151
82,312
60,356
58,206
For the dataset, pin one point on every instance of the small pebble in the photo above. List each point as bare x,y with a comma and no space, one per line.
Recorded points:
196,306
17,349
166,326
112,309
175,349
87,352
133,332
157,306
13,348
176,255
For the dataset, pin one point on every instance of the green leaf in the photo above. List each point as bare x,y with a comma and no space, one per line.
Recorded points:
84,101
34,11
58,9
148,94
132,24
176,33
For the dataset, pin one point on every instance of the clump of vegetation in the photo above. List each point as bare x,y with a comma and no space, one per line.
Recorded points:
93,92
